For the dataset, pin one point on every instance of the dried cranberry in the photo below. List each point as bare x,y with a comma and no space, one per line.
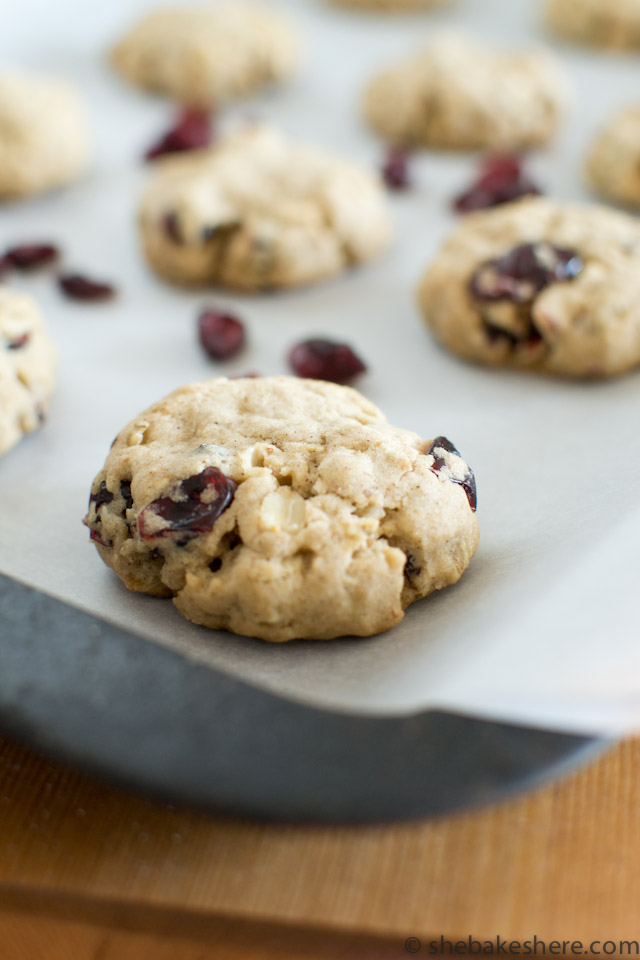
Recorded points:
78,287
523,272
5,266
200,501
325,360
193,129
20,342
501,180
468,483
29,256
102,496
221,334
395,169
95,536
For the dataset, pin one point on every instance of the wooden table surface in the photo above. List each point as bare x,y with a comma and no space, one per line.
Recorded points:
90,872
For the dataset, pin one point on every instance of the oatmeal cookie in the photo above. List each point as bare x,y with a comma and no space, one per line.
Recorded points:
28,368
282,508
44,140
541,285
258,212
457,94
201,55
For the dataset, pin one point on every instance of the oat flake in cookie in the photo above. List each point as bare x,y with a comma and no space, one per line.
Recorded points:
28,368
614,24
458,94
205,53
282,508
258,212
541,285
44,139
613,162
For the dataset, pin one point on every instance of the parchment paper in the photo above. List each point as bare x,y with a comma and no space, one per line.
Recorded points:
544,627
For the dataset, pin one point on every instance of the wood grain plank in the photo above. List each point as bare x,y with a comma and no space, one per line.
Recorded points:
560,862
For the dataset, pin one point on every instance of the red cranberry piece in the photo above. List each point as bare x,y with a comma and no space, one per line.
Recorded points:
193,129
395,169
95,536
20,342
5,266
221,334
501,180
78,287
201,500
468,484
29,256
523,272
325,360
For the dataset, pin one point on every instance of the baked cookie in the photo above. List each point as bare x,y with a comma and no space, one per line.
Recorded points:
613,24
28,367
542,285
613,162
203,54
44,140
258,212
282,508
459,95
390,6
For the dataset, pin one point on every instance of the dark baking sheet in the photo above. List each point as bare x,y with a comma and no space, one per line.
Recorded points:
138,714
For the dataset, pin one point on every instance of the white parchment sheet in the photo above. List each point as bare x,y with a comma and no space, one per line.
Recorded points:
544,627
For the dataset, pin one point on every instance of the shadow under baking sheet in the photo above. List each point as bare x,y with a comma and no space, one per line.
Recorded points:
139,714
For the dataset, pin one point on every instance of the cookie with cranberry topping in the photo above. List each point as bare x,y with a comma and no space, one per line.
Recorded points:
541,285
28,368
259,212
282,508
44,139
203,54
613,162
458,94
614,24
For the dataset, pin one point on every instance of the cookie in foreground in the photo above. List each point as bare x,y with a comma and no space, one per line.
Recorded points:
282,508
258,212
44,134
613,161
459,94
28,368
203,54
540,285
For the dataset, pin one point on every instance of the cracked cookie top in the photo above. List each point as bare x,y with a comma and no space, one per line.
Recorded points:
282,508
257,211
540,284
